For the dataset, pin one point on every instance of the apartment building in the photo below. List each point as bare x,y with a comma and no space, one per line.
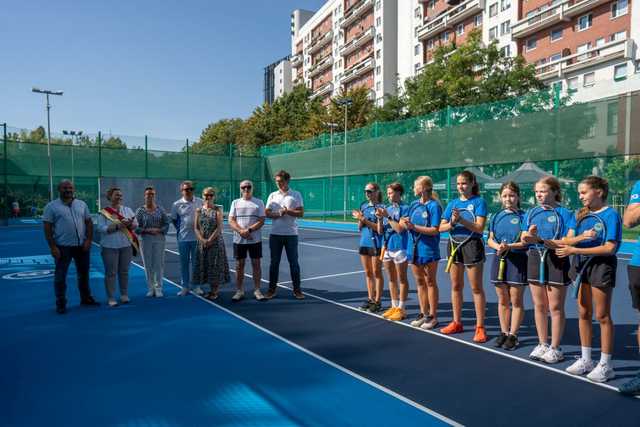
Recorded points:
277,80
348,44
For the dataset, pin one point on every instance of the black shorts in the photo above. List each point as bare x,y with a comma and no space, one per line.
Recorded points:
557,269
254,250
634,285
471,253
515,269
367,251
600,272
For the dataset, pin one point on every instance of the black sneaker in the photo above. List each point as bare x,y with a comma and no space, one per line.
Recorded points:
500,340
61,309
511,342
365,305
374,307
89,301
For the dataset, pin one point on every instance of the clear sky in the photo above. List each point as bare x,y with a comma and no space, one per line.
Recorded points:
135,67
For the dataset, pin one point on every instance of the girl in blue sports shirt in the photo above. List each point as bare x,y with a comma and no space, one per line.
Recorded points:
598,278
395,256
423,224
470,257
370,227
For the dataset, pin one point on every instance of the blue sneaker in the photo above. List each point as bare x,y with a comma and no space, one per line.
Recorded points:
631,387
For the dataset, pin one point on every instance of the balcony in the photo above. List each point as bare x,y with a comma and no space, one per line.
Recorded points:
613,50
323,90
355,12
552,15
450,18
296,60
320,42
358,41
321,66
358,70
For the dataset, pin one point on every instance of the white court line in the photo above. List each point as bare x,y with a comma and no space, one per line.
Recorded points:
311,244
461,341
322,359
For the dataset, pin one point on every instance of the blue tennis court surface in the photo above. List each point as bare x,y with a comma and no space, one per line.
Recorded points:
185,361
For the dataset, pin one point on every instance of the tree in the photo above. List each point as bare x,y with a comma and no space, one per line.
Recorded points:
359,113
217,137
394,108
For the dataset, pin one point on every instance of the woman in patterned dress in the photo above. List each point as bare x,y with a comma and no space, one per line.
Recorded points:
210,266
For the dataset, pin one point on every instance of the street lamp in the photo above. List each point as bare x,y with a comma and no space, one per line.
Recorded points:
331,127
74,134
47,93
345,102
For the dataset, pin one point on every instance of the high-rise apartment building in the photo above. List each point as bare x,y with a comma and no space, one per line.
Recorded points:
277,80
348,44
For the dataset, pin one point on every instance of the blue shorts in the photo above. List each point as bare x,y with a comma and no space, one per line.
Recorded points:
515,269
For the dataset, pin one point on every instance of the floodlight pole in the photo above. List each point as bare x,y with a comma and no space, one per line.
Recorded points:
75,134
331,126
47,93
6,172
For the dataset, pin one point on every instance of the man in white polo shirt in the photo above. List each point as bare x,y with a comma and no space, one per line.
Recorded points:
246,218
284,207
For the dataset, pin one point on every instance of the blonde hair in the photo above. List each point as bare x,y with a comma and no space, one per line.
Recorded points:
209,189
427,185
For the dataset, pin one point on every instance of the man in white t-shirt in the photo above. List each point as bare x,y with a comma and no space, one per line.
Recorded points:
284,207
246,218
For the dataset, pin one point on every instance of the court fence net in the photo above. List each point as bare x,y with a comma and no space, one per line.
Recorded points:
520,139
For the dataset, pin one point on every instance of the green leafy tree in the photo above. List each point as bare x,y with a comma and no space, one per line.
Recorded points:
216,138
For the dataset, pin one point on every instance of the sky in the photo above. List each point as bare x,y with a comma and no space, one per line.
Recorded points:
139,67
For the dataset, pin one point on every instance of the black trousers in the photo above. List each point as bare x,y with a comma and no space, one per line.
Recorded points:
81,259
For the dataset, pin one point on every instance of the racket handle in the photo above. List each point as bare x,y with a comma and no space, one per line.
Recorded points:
575,291
449,264
501,269
542,279
382,252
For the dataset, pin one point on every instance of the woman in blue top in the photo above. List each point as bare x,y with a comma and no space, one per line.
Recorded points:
598,277
510,287
470,256
550,295
370,227
395,255
423,249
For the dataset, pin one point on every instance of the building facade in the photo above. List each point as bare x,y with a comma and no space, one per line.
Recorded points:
277,80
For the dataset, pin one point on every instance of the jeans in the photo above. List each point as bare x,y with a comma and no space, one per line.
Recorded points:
290,245
116,263
152,248
81,259
187,252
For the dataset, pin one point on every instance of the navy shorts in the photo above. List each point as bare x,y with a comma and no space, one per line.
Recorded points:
368,251
600,272
557,269
634,285
471,253
254,250
515,269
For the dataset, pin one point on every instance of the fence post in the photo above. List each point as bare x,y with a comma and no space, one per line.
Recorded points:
146,157
188,160
448,185
99,154
5,173
230,168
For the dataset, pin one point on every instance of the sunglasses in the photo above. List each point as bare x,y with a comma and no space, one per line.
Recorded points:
245,187
208,195
368,191
187,189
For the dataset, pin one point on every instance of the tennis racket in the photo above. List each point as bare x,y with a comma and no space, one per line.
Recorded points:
459,235
593,223
368,211
549,227
388,230
506,227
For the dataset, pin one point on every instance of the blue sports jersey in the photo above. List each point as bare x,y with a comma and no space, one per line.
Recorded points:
521,214
635,198
566,216
369,238
396,241
475,204
428,215
613,224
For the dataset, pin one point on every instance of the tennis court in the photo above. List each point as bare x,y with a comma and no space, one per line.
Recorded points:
320,361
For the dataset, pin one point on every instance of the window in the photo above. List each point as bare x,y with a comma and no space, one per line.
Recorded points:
612,118
416,49
432,4
378,5
416,66
589,79
619,8
620,72
505,28
493,10
581,49
505,4
506,50
478,20
555,57
378,54
418,12
378,86
599,42
572,84
378,21
460,29
429,44
556,34
493,33
379,38
445,36
378,69
585,22
531,44
620,35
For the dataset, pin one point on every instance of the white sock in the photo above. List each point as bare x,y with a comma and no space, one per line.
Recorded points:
605,358
586,354
401,304
394,303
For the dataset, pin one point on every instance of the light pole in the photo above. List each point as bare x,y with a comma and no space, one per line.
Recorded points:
331,127
75,134
47,93
345,102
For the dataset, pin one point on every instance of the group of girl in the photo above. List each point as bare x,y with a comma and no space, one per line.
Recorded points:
398,235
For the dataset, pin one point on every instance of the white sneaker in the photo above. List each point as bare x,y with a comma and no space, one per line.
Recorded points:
198,291
418,321
580,367
150,293
124,299
183,292
112,302
159,293
603,372
430,323
538,352
553,355
238,295
258,295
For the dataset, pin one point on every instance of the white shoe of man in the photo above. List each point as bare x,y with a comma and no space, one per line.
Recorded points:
158,292
258,295
238,295
150,293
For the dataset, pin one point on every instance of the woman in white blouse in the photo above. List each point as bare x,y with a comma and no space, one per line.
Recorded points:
119,244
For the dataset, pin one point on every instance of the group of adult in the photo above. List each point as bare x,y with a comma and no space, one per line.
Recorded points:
198,222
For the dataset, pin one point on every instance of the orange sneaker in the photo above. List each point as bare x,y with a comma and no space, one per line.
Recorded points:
480,335
389,312
397,315
452,328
